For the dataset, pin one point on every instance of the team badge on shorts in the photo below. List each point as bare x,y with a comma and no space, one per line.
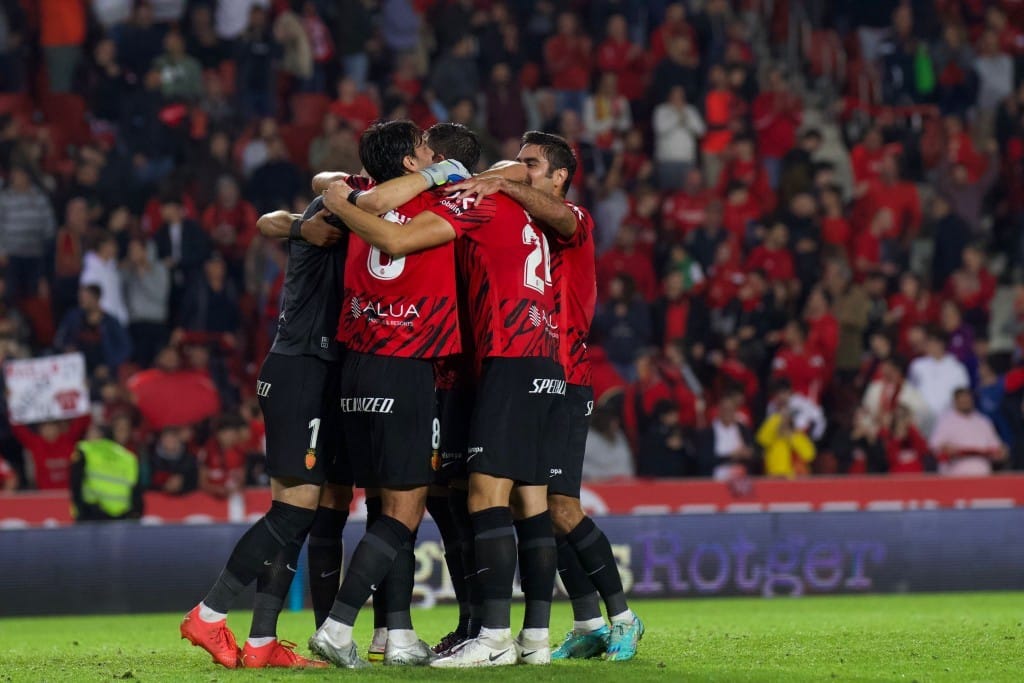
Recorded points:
435,461
310,459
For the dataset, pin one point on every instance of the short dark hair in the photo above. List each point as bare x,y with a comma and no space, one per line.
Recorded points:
455,141
95,290
557,152
384,146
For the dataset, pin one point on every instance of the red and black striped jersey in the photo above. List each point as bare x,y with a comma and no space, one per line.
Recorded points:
402,307
505,262
574,271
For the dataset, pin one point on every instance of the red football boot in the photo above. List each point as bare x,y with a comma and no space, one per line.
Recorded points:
280,653
214,637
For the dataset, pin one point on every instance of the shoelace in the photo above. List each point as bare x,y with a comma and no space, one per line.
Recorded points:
447,642
289,647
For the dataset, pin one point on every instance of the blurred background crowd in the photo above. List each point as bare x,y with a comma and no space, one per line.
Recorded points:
810,216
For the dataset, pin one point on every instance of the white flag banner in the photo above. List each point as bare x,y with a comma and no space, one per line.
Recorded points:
50,388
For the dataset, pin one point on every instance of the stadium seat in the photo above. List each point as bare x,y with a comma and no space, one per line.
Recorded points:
18,105
296,140
308,108
823,51
67,112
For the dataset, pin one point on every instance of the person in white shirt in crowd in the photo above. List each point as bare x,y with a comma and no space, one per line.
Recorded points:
677,128
100,267
965,441
607,454
892,389
937,374
725,449
807,416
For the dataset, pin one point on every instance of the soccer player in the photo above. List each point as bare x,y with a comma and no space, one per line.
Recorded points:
400,316
294,382
585,560
504,259
325,550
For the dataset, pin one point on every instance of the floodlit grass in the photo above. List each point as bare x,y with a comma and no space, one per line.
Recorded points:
949,637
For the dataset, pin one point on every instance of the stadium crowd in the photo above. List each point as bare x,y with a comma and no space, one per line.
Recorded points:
804,213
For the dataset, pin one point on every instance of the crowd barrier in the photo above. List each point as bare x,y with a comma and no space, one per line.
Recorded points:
628,497
130,567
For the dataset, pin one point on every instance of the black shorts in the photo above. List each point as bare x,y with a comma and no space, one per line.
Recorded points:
455,412
518,424
567,465
299,399
388,409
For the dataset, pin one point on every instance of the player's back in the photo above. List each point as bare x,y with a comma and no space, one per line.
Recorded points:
504,260
403,307
311,297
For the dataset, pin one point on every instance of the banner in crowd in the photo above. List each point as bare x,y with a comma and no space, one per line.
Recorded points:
116,565
50,388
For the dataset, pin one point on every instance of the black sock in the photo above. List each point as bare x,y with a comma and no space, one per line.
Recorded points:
441,512
398,585
595,555
458,503
495,552
325,552
374,506
271,588
259,545
586,603
537,561
371,562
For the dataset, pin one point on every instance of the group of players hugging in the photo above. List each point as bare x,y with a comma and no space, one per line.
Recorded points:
431,348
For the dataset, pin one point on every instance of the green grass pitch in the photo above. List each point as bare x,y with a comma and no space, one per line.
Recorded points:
949,637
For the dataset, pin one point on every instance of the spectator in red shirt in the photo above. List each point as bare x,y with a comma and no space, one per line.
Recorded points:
627,60
889,192
354,107
777,113
673,26
626,258
869,255
905,448
835,229
797,362
912,305
773,256
231,224
683,211
51,448
823,328
720,108
742,166
972,287
569,57
742,211
725,277
221,461
866,156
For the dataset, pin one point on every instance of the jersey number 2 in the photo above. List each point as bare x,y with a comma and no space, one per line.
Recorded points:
533,275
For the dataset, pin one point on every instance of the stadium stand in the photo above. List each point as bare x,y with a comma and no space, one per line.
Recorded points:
765,178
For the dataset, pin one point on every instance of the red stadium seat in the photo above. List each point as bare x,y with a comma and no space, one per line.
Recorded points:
18,105
308,108
67,112
823,51
296,139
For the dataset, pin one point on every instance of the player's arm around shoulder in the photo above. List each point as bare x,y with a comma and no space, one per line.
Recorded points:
426,230
285,225
545,208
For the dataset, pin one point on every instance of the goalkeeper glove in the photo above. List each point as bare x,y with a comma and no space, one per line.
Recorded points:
444,172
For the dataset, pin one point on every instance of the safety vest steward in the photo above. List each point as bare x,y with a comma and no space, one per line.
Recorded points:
111,473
